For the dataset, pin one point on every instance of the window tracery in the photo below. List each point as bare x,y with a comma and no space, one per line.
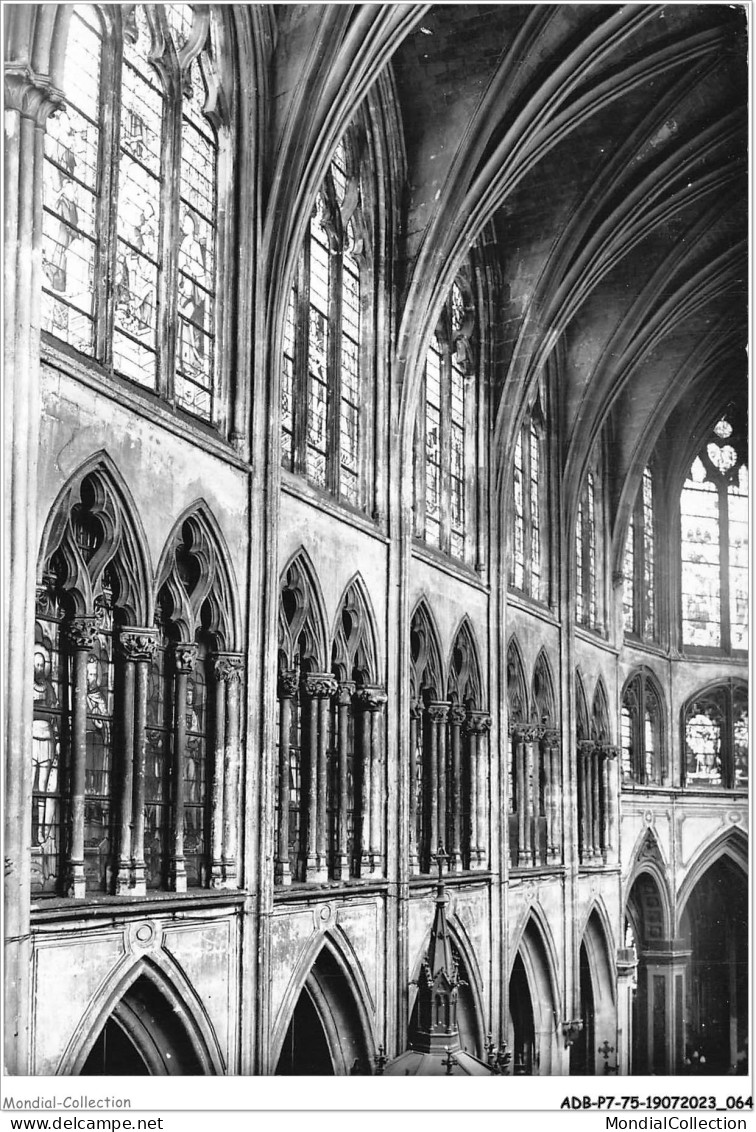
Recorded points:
639,571
588,549
528,533
714,543
325,394
129,250
121,794
641,731
715,737
445,448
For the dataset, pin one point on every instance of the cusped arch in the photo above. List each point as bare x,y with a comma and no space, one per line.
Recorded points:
730,844
302,617
180,999
426,668
197,536
601,728
542,695
98,491
354,638
517,693
335,948
465,685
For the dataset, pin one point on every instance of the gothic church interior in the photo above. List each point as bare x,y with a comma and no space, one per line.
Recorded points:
376,480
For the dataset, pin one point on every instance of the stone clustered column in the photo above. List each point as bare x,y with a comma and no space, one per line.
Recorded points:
536,777
138,648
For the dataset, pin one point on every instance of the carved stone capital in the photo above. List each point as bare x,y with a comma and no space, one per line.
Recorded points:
531,733
478,723
371,698
320,685
32,95
586,747
458,716
607,751
82,632
416,709
438,711
551,736
228,667
345,692
137,644
288,683
185,657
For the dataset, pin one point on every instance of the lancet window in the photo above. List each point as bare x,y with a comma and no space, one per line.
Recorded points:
448,752
326,408
595,754
639,577
535,816
715,737
587,551
528,570
445,446
126,781
642,731
131,199
714,543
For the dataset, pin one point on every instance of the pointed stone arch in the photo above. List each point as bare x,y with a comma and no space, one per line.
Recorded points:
647,902
195,578
302,619
330,975
543,702
601,728
161,986
464,686
95,506
596,991
517,693
426,667
534,947
354,639
582,718
730,844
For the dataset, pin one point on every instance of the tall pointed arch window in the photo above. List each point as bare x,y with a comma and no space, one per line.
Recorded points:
528,569
639,570
641,732
587,549
715,737
130,199
325,407
445,448
714,544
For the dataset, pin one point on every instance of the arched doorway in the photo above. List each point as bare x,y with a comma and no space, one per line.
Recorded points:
328,1032
646,927
714,926
143,1037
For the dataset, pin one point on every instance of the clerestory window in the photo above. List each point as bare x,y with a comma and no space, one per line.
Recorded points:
714,544
639,572
131,199
325,402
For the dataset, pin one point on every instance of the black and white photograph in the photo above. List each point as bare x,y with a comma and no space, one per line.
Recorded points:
376,539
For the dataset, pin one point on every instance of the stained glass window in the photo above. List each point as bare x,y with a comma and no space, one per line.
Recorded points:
526,570
715,737
325,316
714,544
641,732
51,696
586,555
105,186
444,467
639,571
70,232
